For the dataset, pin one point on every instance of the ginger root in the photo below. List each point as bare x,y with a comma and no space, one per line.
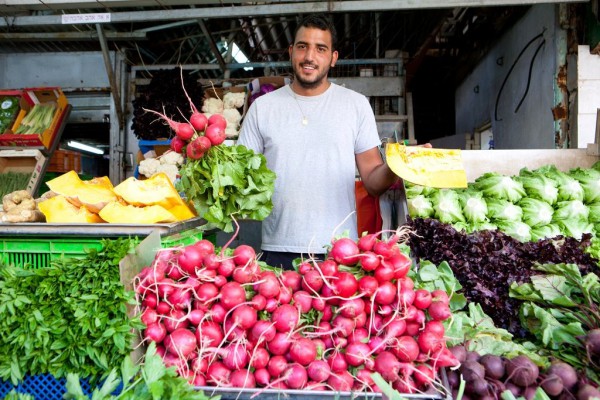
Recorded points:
19,206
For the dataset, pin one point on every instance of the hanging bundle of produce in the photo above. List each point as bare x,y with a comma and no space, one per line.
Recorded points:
533,205
224,319
221,181
164,92
38,119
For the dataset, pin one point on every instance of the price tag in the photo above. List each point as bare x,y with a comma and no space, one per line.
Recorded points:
96,18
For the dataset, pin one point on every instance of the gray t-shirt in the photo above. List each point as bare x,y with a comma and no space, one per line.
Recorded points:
314,199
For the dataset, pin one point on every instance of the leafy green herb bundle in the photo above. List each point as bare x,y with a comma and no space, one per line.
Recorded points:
68,317
228,182
148,381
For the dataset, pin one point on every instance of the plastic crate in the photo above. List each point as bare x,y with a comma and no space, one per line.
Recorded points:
42,387
39,252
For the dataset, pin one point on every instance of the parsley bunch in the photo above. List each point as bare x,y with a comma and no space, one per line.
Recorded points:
228,181
69,317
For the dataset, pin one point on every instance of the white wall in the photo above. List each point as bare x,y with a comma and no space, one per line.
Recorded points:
477,98
588,95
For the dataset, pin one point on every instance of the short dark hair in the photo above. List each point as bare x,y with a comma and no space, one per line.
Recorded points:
320,21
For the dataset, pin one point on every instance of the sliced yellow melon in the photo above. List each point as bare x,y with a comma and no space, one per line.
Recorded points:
58,209
118,213
93,194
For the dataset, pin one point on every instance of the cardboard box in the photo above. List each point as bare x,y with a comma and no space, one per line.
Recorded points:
25,160
29,98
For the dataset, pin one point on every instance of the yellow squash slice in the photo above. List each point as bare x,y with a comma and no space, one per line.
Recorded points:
118,213
58,209
93,194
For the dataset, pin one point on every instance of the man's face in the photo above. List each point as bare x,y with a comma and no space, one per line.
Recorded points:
312,56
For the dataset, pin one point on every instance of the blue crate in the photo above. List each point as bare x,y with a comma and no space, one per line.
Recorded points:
42,387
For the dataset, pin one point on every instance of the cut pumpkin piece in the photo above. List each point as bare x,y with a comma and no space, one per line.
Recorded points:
118,213
181,212
156,190
58,209
93,194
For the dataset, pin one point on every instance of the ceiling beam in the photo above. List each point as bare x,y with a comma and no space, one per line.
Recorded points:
291,7
70,36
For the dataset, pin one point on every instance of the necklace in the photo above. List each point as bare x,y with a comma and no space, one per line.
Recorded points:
304,117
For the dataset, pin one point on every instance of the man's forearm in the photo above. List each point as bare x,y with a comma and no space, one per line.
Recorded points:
380,180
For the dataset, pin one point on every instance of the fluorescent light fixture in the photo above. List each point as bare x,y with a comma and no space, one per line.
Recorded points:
238,55
84,147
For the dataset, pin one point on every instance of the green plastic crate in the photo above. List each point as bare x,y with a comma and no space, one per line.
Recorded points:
39,252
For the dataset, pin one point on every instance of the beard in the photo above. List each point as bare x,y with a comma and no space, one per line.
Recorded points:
314,81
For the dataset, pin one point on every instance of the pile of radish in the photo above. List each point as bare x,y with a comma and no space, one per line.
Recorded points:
224,319
199,133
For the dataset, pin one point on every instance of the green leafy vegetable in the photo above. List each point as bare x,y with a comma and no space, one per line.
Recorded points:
536,212
9,107
498,186
589,178
545,231
149,381
228,182
568,187
69,317
503,210
538,186
447,207
420,206
474,206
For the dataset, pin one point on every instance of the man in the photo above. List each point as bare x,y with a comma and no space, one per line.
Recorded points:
315,135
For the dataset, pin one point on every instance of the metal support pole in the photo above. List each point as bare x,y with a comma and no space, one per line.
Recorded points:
111,76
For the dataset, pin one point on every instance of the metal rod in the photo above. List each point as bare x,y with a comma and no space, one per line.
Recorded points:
114,89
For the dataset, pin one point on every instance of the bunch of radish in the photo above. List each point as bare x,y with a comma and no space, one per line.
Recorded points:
224,319
198,134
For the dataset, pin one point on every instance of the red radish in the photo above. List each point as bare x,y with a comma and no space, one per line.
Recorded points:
406,349
199,121
369,261
280,344
386,293
357,353
232,294
412,328
216,134
209,334
217,119
285,295
395,328
318,303
217,313
303,351
440,295
185,131
318,371
291,279
337,362
368,285
150,300
430,342
406,297
211,261
174,125
195,317
359,335
312,281
345,284
401,265
422,299
180,298
263,330
259,302
277,364
243,254
351,308
344,251
439,311
329,268
259,358
435,326
205,246
341,382
235,356
286,318
269,285
181,342
226,267
388,366
244,316
175,319
384,273
262,376
342,325
156,332
218,374
366,242
242,378
207,292
163,308
295,376
304,267
200,365
177,144
193,151
383,248
444,358
302,300
245,274
149,316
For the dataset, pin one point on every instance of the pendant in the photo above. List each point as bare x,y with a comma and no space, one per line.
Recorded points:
304,121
